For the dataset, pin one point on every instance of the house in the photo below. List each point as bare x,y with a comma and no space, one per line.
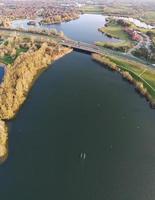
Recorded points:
134,35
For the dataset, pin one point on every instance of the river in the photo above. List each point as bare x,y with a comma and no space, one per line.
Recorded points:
75,107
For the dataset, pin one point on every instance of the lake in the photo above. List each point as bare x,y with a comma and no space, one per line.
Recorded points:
83,29
79,107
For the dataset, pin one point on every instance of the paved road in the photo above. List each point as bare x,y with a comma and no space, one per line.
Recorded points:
138,46
144,42
101,50
91,48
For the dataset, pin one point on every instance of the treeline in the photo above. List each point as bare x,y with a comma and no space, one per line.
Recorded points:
18,80
19,77
57,19
127,75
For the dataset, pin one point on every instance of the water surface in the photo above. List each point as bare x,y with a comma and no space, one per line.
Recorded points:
78,106
83,29
1,73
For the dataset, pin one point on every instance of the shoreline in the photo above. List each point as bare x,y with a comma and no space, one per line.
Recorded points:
59,22
120,15
127,75
14,92
3,141
19,97
107,34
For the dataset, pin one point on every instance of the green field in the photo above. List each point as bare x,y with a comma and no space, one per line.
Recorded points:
8,59
148,17
139,71
119,46
92,9
143,12
21,50
113,29
119,9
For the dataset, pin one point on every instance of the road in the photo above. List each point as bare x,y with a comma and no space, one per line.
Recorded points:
77,45
144,42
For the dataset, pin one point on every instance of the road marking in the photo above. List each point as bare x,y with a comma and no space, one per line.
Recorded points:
142,72
152,88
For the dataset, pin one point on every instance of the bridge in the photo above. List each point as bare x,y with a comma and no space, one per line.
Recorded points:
92,48
76,45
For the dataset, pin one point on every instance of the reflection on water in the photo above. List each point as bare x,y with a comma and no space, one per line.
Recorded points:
83,29
78,106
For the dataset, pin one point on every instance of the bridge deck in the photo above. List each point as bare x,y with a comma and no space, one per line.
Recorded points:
82,46
90,48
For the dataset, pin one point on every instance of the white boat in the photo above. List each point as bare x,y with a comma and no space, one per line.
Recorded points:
83,156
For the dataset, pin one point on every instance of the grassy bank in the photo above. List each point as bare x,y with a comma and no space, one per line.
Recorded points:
92,9
141,76
113,29
119,46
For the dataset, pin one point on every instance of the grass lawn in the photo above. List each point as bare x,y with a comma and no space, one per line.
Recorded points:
20,50
92,9
115,30
119,9
8,59
120,46
136,69
148,17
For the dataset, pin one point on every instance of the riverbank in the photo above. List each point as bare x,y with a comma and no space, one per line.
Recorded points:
3,141
18,80
123,46
58,19
140,76
115,29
